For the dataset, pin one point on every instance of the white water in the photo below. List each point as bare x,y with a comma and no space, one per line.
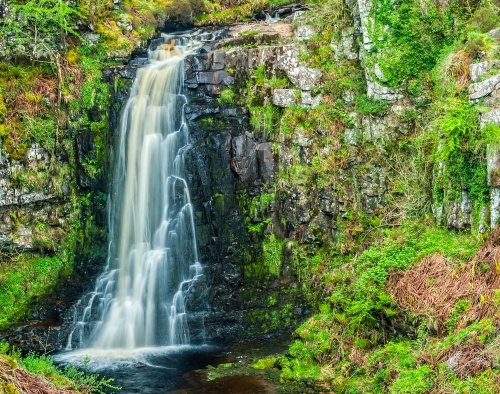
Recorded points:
139,300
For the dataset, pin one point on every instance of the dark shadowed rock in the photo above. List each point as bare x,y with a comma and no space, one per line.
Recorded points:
244,159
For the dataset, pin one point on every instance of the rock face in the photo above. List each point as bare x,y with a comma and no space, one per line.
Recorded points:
49,201
225,160
248,208
364,23
233,169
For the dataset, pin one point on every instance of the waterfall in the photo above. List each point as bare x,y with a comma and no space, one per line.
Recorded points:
139,300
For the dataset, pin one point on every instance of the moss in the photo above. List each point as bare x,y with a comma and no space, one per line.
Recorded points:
263,321
22,281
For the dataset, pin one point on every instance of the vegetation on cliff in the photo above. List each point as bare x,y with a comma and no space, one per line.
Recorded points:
402,303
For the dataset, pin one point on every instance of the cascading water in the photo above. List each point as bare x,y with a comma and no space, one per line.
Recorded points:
139,300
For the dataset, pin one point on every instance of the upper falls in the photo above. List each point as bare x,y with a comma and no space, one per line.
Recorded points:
139,300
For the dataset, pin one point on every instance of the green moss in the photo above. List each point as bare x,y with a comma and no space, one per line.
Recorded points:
370,106
270,320
265,363
242,12
227,96
401,32
272,250
22,281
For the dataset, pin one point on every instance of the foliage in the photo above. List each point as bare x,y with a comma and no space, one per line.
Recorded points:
461,149
265,363
400,34
227,96
484,19
353,303
219,13
39,27
264,120
370,106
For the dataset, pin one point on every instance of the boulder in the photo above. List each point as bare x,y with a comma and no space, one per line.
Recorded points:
477,70
491,117
482,89
304,33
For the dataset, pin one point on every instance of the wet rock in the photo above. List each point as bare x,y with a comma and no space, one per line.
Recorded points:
85,150
244,159
218,60
200,63
214,78
138,62
318,230
327,202
265,159
127,72
297,207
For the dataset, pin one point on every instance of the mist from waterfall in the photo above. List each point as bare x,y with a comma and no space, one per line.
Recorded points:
139,300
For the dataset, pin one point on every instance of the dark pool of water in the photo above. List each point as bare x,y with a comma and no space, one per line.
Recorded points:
161,373
173,370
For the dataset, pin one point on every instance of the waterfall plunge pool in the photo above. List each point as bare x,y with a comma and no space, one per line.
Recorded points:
143,370
186,369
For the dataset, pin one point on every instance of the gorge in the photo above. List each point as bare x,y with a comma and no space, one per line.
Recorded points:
321,174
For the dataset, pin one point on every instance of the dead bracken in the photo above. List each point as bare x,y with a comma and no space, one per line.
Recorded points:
15,380
434,286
